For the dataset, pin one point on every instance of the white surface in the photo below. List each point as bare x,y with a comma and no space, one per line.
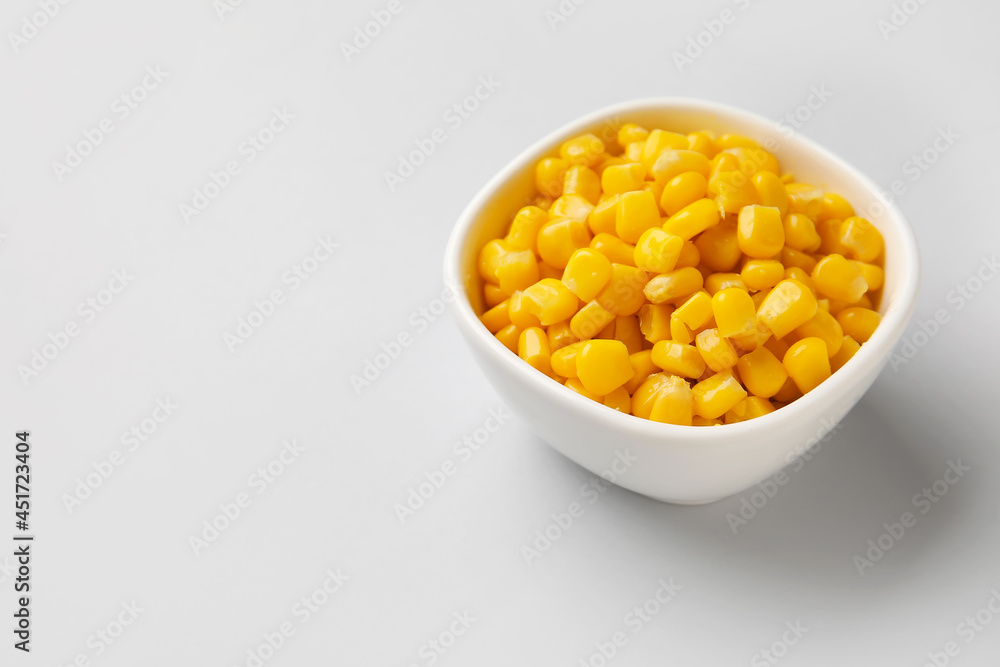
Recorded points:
333,506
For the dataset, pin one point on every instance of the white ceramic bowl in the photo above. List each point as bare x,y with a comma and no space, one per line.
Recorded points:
679,464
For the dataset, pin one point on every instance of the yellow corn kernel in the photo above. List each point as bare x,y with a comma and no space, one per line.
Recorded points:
801,234
703,143
517,309
571,206
548,271
750,407
623,178
637,212
602,218
673,403
509,336
791,257
563,360
835,207
836,306
837,278
690,256
619,400
657,142
698,420
493,295
788,392
542,201
859,323
582,181
777,347
718,353
550,301
693,219
829,234
655,188
718,247
754,160
734,312
657,250
623,295
630,132
848,349
807,363
717,282
805,198
590,320
873,274
824,304
608,161
523,233
682,190
560,238
760,231
762,274
824,326
586,273
642,368
517,270
789,305
614,248
771,191
603,366
496,318
679,331
717,395
728,141
674,285
654,322
489,259
549,174
645,395
560,335
577,386
633,152
733,190
724,162
627,331
672,163
762,373
533,347
679,359
862,240
586,150
696,311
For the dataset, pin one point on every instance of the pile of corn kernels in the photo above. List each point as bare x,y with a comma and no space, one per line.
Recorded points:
682,278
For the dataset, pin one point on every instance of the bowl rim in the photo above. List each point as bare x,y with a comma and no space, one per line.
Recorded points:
873,353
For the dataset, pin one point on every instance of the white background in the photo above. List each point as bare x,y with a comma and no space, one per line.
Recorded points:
333,506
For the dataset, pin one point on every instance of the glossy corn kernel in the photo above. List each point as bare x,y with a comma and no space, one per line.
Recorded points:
633,152
718,353
824,326
623,178
753,159
835,207
603,366
586,273
533,347
760,231
577,386
630,132
571,206
550,301
560,336
619,400
496,318
807,363
674,285
679,331
734,312
609,161
717,282
690,256
733,190
673,403
678,359
657,250
590,320
800,233
873,274
703,143
489,259
750,407
805,198
509,336
517,270
771,191
523,233
654,322
696,311
627,331
659,141
788,392
848,349
762,373
614,249
777,347
582,181
563,360
549,173
859,323
836,278
791,257
645,395
623,295
789,305
602,217
560,238
672,163
693,219
682,190
717,395
862,240
762,274
727,141
829,234
719,248
520,315
493,295
642,368
586,150
637,212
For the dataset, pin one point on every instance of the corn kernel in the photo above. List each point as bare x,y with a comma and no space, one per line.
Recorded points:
586,273
560,335
642,367
679,331
717,395
682,190
829,234
862,240
657,142
683,360
577,386
807,363
489,259
533,347
590,320
509,336
727,141
549,271
657,250
517,310
549,175
762,274
760,232
824,326
676,284
560,238
673,403
734,312
836,306
771,191
703,143
563,360
654,322
690,256
693,219
777,347
750,407
608,161
762,373
633,152
837,278
788,392
637,212
602,217
753,160
571,206
550,301
585,149
672,163
718,247
614,249
872,273
630,132
619,400
791,257
627,331
733,190
724,162
696,311
847,351
718,353
645,395
582,181
801,234
493,295
805,198
859,323
623,178
787,306
496,318
603,366
517,270
835,207
523,233
717,282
